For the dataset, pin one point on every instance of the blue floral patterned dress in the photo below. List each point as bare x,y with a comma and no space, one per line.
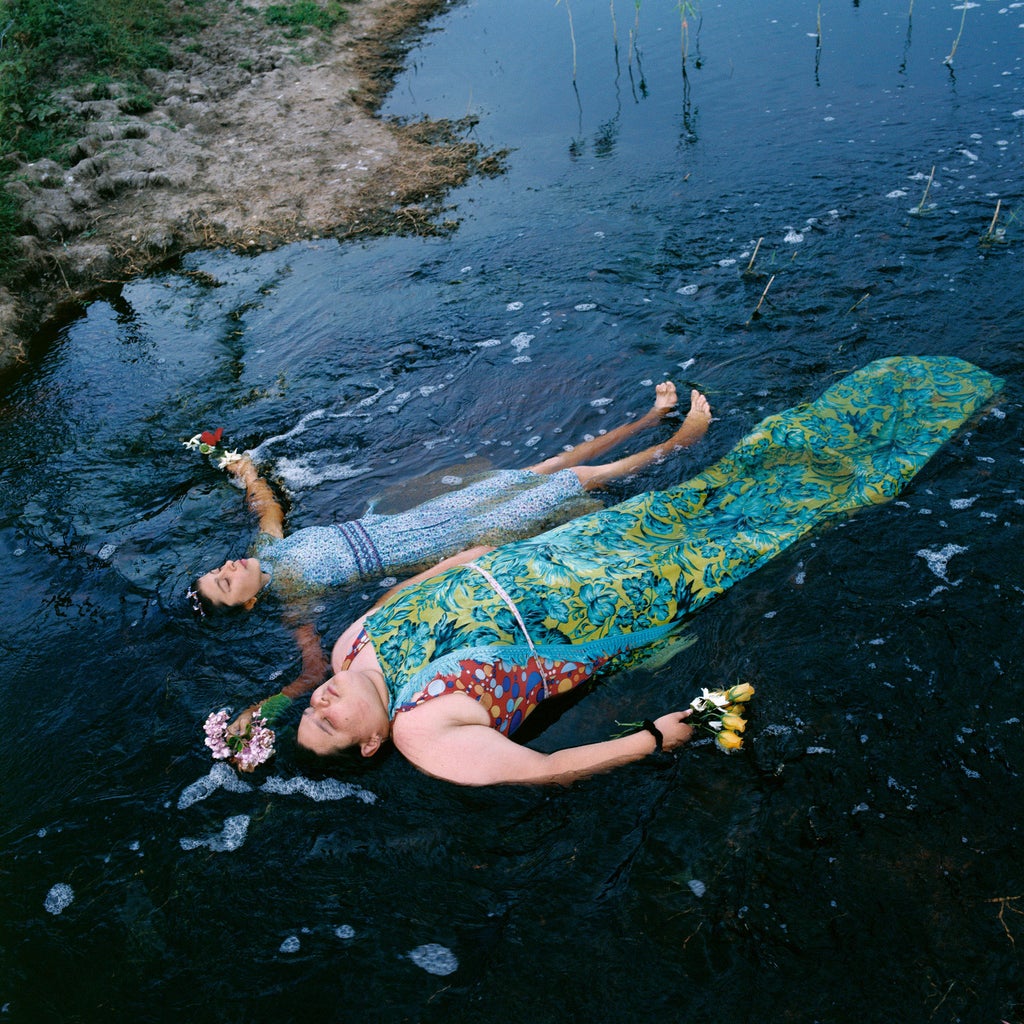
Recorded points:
600,590
500,506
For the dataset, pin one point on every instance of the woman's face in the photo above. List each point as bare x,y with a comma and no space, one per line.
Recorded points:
342,712
236,582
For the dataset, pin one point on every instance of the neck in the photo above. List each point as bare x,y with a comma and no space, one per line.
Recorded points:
376,678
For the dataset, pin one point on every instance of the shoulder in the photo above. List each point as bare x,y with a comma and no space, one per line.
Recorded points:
418,728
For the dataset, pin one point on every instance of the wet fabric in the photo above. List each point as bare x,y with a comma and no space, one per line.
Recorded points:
498,507
507,691
603,588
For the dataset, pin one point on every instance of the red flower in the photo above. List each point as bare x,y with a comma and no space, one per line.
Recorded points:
211,437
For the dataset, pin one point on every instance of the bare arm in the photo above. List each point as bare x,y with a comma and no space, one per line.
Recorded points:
478,755
339,655
460,559
259,496
314,663
311,675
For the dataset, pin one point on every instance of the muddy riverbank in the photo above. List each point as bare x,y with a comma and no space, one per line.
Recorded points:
254,140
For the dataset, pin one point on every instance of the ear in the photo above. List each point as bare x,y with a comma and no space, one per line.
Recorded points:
370,747
250,604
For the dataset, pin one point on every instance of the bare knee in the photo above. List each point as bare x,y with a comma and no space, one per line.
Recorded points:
590,477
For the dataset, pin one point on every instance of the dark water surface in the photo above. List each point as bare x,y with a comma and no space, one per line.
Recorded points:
859,860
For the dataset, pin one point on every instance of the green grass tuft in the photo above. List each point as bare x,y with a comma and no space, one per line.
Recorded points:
301,15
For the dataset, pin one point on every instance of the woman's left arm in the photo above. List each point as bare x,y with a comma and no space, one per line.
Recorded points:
460,559
259,496
478,755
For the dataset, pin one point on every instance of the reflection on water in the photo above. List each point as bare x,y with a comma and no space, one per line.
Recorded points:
863,849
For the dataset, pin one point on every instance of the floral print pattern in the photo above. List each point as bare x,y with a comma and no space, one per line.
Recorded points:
610,583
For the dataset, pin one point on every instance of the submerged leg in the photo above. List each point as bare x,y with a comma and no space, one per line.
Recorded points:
665,401
694,427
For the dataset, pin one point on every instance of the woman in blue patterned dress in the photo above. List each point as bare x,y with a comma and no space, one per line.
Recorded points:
451,663
509,503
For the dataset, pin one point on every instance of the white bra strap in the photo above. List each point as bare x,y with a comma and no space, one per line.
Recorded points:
500,591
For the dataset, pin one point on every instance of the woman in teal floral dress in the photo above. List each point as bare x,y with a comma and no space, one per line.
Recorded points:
454,660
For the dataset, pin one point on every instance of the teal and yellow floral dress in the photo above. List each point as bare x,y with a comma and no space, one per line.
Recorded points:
599,591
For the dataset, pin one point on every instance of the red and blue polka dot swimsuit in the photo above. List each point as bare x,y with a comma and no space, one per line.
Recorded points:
508,693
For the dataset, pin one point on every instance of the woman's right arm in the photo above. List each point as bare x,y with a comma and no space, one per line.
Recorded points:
457,743
311,675
259,496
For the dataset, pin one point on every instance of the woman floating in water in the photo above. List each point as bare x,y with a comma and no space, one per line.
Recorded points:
513,503
451,664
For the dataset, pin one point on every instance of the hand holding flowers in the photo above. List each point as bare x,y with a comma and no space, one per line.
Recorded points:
720,713
250,747
208,443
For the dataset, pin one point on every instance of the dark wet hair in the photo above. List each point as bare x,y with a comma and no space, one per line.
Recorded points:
348,760
203,608
200,606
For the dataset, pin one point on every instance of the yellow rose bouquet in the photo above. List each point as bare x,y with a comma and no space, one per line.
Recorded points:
720,713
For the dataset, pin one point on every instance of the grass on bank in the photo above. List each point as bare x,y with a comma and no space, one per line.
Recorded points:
48,46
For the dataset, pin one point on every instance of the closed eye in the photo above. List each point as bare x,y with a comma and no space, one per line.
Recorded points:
321,722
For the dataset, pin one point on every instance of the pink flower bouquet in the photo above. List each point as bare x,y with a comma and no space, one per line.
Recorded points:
247,750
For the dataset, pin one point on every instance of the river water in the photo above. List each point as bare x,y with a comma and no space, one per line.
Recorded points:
814,187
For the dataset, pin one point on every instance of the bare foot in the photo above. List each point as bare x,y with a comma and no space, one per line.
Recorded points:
697,421
665,398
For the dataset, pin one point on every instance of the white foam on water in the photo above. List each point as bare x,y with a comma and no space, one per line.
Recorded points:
961,503
489,343
599,403
697,887
345,932
221,776
230,838
793,236
585,307
320,790
434,959
302,474
59,898
938,561
514,307
522,340
688,289
297,429
290,945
